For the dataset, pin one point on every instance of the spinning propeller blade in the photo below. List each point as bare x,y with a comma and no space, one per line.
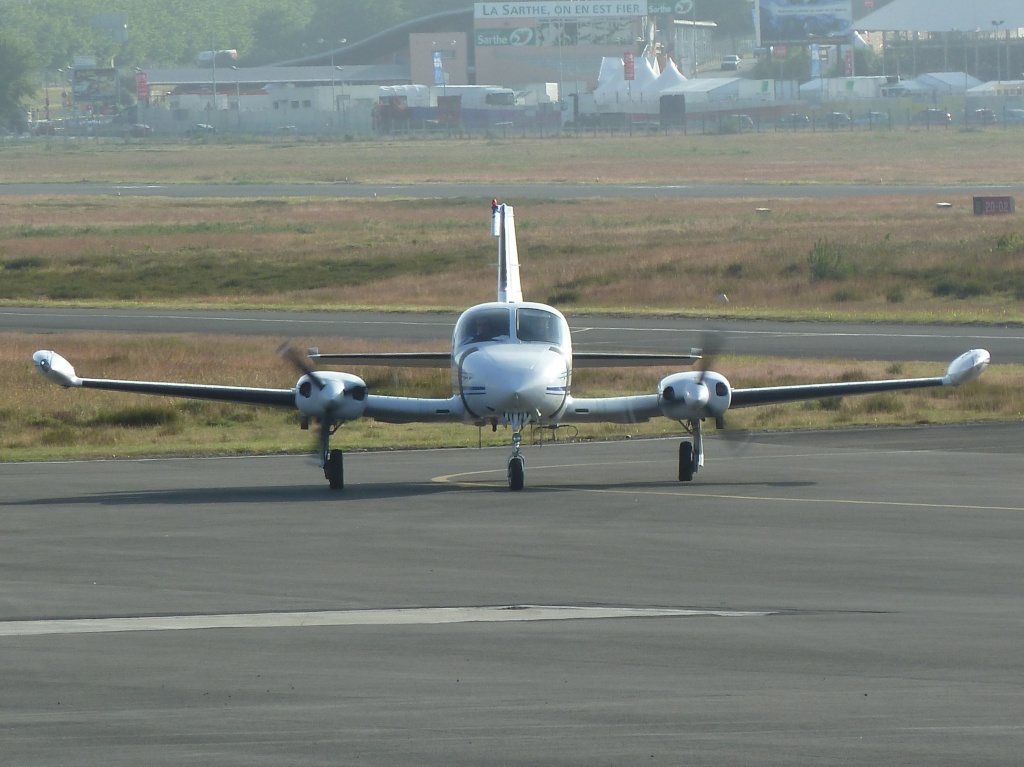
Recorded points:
287,351
710,349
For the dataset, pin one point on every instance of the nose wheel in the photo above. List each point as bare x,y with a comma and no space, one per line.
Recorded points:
334,470
516,472
691,453
516,464
333,461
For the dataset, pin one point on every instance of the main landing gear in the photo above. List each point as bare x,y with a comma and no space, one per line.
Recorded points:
691,452
332,461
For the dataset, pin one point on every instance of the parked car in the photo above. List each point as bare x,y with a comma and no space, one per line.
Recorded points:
873,120
44,128
981,117
736,124
200,129
793,121
1013,116
732,61
932,117
833,120
138,130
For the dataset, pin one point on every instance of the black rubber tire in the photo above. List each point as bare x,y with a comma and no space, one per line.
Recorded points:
335,470
685,462
516,474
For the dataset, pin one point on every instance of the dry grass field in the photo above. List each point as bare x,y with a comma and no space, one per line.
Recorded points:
892,157
896,257
893,257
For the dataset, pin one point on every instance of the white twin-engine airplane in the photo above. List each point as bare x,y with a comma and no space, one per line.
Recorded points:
511,364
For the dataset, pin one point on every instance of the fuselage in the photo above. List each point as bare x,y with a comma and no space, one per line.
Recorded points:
512,363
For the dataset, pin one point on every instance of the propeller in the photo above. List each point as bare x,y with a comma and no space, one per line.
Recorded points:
287,352
338,390
712,346
710,349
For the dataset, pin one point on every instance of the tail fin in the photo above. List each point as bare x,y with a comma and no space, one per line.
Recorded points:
503,226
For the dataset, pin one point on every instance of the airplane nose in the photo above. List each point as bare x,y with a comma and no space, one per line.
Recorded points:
511,379
696,394
516,391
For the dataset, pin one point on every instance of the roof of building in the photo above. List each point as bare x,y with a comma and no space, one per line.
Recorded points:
364,74
943,16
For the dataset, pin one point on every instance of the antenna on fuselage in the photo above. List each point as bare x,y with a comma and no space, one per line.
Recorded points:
503,226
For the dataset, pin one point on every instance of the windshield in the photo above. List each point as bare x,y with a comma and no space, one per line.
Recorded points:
483,325
538,325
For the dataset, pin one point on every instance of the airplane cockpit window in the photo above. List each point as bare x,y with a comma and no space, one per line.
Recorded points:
483,325
537,325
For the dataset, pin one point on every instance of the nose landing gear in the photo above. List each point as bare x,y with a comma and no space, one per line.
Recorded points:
332,461
517,463
691,453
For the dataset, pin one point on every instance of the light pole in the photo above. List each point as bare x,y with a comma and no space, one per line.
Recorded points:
238,96
561,34
63,90
334,97
999,62
693,37
213,50
344,112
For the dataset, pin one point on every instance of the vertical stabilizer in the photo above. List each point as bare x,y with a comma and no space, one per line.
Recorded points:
503,226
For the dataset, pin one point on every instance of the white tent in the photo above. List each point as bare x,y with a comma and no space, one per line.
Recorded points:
643,77
612,85
946,82
670,77
707,89
610,73
1001,88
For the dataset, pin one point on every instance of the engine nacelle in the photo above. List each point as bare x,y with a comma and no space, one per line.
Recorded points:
694,395
337,396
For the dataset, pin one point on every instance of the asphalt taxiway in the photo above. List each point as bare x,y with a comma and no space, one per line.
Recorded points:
509,190
814,598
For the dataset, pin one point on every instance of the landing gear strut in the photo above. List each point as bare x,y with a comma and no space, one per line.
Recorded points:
332,461
691,452
516,463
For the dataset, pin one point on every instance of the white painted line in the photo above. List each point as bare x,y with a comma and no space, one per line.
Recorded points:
420,616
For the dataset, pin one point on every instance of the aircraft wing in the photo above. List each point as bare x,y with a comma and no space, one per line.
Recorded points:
771,395
387,359
640,408
414,409
444,359
963,369
695,397
59,371
631,409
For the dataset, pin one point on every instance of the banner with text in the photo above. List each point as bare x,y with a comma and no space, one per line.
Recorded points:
556,10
